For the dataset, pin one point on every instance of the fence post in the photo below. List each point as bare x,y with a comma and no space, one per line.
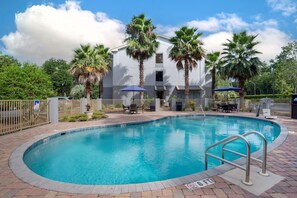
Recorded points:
173,104
157,104
99,104
21,115
54,110
83,105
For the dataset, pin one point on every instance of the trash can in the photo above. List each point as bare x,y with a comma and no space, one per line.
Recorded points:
179,106
152,107
294,107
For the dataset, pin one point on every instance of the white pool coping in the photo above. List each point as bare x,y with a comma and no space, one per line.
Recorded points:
21,170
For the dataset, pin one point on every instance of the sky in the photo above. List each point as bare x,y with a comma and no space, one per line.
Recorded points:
36,30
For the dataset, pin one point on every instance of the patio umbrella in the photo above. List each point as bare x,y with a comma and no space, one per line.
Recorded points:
227,88
133,88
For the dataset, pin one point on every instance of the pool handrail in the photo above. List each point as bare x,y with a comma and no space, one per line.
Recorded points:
248,157
247,169
264,153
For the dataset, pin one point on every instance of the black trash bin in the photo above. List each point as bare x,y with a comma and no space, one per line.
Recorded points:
294,107
179,106
152,107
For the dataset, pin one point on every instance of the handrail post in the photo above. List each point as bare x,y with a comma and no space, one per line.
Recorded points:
223,155
206,161
264,164
264,155
247,180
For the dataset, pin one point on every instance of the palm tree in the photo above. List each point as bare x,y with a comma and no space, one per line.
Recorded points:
142,43
186,51
213,61
240,61
102,52
86,67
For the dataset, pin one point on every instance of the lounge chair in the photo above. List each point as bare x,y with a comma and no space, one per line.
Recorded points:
133,108
125,108
266,114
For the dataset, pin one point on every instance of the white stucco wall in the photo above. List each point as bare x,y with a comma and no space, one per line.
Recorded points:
126,70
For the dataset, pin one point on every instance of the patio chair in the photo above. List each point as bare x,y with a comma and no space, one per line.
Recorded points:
266,114
133,108
125,108
234,107
227,108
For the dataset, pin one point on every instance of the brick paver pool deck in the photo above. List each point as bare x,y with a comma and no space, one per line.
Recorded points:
281,161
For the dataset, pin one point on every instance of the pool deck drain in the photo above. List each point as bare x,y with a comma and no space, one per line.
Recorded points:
281,161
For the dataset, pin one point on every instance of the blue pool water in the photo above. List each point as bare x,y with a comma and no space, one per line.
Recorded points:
139,153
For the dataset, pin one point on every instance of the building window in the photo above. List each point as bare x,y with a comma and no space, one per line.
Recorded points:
159,76
159,58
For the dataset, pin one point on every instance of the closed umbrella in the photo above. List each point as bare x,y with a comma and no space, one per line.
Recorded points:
133,88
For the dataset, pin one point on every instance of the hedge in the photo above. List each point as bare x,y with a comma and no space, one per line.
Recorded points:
267,96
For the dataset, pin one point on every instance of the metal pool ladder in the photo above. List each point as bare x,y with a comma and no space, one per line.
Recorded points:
247,168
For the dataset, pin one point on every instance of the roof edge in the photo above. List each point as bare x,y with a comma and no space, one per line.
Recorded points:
125,45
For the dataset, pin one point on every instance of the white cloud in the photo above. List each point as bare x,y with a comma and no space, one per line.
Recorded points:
213,42
44,31
287,7
223,25
271,42
229,23
166,30
226,22
212,24
263,24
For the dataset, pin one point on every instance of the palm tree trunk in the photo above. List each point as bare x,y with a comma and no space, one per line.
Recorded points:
187,87
88,92
241,92
213,82
141,77
101,88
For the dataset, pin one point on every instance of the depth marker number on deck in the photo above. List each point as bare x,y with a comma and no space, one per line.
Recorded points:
200,184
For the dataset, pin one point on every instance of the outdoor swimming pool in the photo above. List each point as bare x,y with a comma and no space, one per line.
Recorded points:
138,153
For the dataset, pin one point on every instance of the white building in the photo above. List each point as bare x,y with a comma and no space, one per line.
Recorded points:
161,77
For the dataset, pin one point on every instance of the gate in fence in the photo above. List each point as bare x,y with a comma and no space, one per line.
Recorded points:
16,115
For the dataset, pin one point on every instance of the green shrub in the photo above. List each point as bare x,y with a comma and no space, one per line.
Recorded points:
78,117
83,117
99,115
72,119
118,106
192,104
65,118
110,107
148,100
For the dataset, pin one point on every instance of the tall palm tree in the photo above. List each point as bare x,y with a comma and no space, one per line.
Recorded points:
213,61
86,67
240,60
142,43
186,51
103,52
